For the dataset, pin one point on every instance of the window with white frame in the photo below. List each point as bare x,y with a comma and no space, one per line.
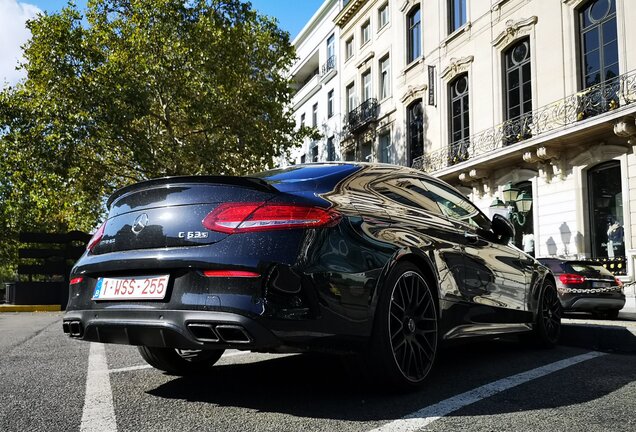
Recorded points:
331,149
459,110
518,80
599,42
366,85
384,155
383,15
456,14
414,35
385,77
330,104
415,122
314,115
349,48
331,46
365,32
351,97
459,117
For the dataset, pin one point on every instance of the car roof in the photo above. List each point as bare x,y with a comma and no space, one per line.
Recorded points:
325,175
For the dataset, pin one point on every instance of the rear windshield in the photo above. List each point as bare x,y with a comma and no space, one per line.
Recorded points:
305,172
584,268
588,269
314,177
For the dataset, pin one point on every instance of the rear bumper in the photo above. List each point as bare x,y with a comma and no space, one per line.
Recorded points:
169,328
591,303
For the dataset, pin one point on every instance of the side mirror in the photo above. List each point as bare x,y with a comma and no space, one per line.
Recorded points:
504,229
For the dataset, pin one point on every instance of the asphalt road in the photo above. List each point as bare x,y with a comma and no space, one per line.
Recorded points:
485,386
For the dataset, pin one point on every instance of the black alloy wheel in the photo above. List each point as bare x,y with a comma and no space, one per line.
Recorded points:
178,361
547,327
406,334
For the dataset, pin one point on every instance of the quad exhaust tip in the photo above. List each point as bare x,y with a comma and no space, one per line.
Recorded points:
203,332
208,332
72,328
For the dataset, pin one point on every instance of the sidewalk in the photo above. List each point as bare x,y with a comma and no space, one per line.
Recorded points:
603,335
29,308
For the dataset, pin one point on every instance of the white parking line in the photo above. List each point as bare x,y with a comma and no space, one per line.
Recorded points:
422,418
98,413
130,368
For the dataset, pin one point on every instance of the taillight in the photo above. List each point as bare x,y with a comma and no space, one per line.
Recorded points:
233,218
572,279
76,280
97,237
230,273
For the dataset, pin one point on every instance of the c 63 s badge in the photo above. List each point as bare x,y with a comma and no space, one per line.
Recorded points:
192,235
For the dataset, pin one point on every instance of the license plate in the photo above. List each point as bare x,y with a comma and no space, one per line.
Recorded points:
131,288
600,284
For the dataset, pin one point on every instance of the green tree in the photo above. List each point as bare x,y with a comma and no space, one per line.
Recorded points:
135,89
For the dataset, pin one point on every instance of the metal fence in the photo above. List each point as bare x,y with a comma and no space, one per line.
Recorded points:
593,101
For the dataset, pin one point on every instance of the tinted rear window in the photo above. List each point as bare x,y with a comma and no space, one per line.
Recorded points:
589,269
584,268
312,178
305,172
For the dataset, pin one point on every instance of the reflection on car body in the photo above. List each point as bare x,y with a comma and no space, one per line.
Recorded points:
373,259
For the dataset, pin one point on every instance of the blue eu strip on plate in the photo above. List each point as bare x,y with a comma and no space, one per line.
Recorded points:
98,288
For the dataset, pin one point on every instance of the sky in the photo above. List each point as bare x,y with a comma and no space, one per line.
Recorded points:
291,14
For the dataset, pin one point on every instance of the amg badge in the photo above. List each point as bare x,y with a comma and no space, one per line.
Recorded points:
192,235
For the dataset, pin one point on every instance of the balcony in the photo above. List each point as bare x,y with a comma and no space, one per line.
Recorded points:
358,118
577,109
328,69
307,89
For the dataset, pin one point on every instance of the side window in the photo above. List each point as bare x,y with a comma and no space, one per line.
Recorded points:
455,206
408,191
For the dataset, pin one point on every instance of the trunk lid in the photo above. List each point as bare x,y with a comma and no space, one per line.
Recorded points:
167,213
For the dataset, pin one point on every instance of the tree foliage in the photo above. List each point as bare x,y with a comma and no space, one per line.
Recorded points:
135,89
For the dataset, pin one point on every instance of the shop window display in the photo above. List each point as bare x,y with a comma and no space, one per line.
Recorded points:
606,216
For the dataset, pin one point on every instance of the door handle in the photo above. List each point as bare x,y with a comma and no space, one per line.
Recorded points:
472,238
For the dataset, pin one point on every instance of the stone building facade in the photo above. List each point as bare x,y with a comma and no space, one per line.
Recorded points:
521,104
315,76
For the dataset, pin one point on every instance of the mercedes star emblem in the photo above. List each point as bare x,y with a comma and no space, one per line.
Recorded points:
140,223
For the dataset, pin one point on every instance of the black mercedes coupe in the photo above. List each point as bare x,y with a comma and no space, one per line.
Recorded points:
379,260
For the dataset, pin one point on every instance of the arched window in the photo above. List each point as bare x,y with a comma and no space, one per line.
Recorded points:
415,121
414,34
606,215
518,80
459,119
598,42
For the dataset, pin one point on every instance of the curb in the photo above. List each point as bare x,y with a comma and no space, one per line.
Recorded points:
30,308
619,337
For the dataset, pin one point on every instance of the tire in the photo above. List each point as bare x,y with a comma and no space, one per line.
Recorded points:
180,362
405,336
547,326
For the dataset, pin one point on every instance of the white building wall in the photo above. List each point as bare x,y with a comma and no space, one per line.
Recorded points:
311,49
559,232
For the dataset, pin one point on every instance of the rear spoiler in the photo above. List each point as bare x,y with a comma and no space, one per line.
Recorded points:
247,182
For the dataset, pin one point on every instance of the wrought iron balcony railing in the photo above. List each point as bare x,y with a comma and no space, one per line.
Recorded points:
363,114
328,65
593,101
